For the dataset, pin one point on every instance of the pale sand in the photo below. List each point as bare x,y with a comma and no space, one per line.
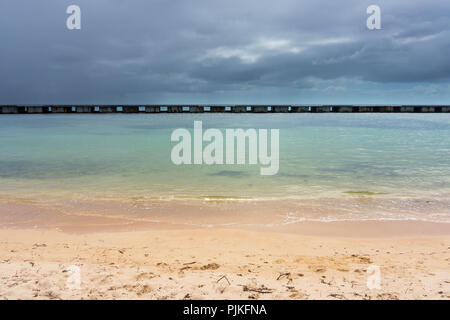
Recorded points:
226,264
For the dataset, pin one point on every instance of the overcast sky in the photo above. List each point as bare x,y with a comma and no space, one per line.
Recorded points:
225,51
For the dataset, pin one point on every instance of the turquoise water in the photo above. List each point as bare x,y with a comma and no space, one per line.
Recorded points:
129,156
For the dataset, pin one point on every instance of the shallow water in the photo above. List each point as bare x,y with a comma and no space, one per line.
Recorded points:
341,157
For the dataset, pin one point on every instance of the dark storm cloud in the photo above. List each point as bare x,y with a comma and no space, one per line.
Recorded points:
220,51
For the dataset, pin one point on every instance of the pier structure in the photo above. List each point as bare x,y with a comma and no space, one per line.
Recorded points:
45,109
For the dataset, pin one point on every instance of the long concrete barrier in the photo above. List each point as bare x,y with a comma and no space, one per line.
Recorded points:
22,109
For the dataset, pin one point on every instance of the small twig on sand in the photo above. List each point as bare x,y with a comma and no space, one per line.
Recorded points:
283,275
224,277
188,263
185,268
408,287
324,282
259,290
337,296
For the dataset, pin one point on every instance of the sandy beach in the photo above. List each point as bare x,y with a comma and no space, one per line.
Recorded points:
213,263
225,150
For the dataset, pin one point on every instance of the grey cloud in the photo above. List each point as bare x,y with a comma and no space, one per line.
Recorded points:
217,51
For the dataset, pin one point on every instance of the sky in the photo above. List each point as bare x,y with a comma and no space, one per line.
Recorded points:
225,52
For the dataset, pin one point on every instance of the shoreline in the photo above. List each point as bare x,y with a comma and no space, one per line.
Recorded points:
394,229
326,218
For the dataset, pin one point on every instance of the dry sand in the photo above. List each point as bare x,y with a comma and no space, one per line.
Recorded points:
223,264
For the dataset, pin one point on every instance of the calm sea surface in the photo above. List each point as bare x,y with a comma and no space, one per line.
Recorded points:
322,156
